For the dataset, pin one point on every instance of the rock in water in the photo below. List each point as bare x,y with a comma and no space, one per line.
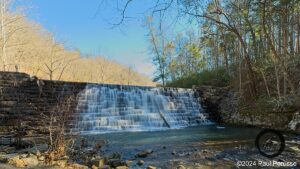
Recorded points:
128,162
295,148
145,153
140,162
116,163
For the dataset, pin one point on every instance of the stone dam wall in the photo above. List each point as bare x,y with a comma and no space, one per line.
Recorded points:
26,102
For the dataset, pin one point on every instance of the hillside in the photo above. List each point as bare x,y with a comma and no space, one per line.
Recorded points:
25,46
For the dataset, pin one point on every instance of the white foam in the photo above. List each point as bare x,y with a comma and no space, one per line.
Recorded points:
104,108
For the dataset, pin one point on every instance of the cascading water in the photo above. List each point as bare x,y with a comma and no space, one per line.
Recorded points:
108,108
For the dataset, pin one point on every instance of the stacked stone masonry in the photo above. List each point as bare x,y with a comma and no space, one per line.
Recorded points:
26,102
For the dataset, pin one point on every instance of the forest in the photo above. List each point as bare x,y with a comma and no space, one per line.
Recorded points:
252,46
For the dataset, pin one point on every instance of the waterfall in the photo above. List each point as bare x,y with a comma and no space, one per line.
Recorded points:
108,108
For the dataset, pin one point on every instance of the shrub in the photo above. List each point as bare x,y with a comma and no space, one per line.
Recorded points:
216,77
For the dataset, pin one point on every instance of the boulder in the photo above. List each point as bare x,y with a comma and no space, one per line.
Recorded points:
97,162
144,154
24,155
38,153
115,156
60,163
128,162
122,167
181,167
76,166
101,163
210,158
140,162
31,161
116,163
204,151
105,167
16,161
94,167
151,167
28,161
41,158
295,148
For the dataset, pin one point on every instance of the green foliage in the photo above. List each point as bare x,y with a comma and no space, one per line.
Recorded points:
217,77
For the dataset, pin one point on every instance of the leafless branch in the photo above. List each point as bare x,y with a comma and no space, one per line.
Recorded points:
123,17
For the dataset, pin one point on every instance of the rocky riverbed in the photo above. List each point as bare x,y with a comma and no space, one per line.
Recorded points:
196,147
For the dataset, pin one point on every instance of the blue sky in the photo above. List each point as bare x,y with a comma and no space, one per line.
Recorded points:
85,25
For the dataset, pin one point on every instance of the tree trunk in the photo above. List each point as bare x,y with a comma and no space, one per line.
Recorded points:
225,50
281,63
249,65
298,34
266,83
277,82
3,34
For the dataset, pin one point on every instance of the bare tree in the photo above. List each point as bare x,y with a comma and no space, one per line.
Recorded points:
8,29
57,61
104,65
159,50
129,75
55,121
